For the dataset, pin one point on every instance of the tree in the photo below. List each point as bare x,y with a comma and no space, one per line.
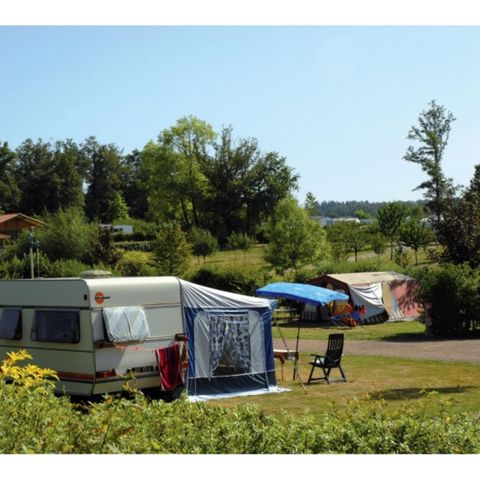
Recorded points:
134,177
37,177
295,240
190,138
171,250
104,201
432,134
378,242
243,185
347,237
458,231
240,241
66,235
204,244
390,219
415,236
311,204
9,191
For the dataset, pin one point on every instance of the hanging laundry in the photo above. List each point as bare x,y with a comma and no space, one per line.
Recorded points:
170,367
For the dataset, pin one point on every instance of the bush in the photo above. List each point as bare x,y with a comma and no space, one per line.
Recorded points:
63,268
451,298
204,244
34,420
67,235
243,280
136,264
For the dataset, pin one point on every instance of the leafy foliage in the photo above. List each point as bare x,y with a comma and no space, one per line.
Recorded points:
240,241
34,420
204,244
171,250
451,298
416,236
295,240
432,135
390,219
458,230
244,280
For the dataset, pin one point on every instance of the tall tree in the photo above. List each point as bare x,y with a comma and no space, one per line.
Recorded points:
70,167
295,239
390,219
190,138
36,177
133,184
459,228
432,134
103,201
243,185
9,191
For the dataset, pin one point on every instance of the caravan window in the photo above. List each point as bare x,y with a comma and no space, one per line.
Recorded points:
11,324
56,326
126,324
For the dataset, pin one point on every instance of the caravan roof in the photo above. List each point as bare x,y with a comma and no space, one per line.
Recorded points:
90,293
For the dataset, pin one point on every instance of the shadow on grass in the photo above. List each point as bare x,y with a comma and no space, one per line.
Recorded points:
414,393
422,338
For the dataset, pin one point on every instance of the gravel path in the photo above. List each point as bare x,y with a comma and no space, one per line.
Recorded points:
450,350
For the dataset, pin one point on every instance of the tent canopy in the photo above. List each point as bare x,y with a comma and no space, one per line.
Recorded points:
300,292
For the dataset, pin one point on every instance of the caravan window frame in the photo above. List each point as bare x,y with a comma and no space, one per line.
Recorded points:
46,338
17,335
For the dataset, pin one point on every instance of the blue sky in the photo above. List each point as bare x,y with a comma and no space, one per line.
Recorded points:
336,101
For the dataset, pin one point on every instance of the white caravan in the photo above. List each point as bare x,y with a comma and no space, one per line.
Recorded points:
96,332
93,332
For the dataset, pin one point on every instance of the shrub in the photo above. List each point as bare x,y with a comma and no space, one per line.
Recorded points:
204,244
451,298
136,264
244,280
171,250
67,235
34,420
63,268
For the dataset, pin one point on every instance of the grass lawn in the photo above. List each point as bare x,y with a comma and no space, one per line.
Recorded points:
396,381
382,331
253,258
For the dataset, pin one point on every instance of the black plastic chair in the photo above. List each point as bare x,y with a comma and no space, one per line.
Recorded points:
331,359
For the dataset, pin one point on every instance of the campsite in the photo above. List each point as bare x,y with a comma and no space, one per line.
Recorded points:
250,240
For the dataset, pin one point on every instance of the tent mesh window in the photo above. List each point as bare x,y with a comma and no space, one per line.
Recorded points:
11,324
230,351
56,326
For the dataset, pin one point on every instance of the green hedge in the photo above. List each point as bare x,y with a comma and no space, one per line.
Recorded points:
237,279
33,420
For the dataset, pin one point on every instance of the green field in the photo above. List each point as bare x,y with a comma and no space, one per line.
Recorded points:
381,331
423,384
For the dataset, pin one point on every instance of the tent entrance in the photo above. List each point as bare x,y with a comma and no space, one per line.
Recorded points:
230,347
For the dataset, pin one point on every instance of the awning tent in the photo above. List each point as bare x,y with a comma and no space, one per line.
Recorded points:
300,292
385,295
230,347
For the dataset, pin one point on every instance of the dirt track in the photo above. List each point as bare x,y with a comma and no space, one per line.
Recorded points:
448,350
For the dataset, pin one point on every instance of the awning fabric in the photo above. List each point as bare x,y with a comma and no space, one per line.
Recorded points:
300,292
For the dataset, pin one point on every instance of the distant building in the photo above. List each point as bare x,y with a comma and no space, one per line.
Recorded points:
126,229
11,224
327,221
